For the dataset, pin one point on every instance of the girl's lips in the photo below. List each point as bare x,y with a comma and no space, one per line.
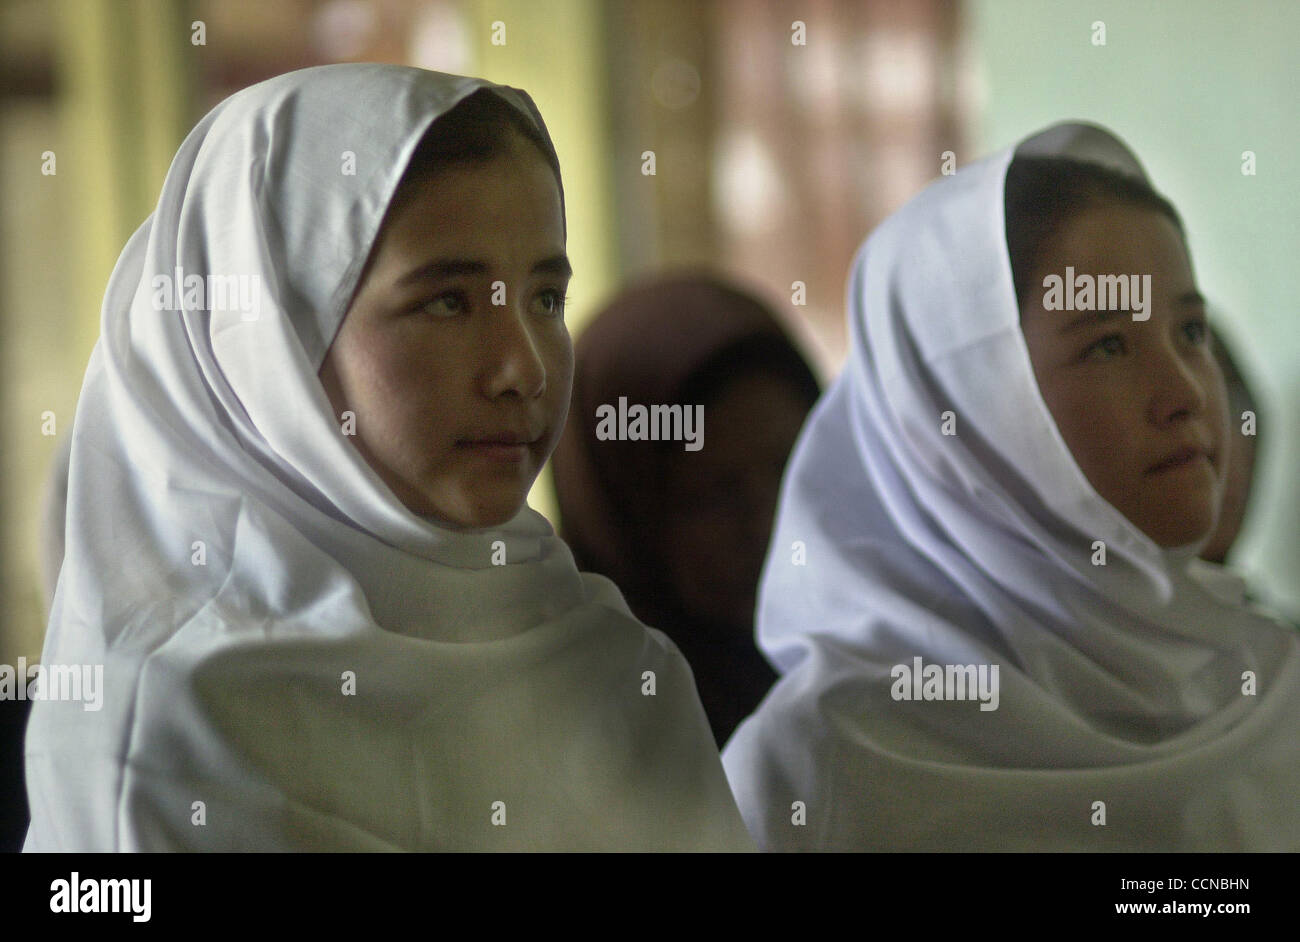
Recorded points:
497,450
1179,459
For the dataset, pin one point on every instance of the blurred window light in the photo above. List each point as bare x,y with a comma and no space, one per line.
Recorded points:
343,29
898,72
749,191
439,38
817,82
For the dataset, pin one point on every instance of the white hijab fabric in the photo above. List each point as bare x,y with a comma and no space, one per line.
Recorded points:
475,684
1120,684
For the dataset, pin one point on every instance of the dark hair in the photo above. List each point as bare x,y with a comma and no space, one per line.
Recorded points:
482,126
773,356
1042,193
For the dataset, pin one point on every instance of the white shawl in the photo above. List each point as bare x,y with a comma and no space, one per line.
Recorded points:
291,659
1121,720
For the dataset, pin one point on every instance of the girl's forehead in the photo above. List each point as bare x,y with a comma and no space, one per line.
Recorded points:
430,243
1117,236
479,202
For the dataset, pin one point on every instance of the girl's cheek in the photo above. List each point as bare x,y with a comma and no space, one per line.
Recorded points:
554,339
405,360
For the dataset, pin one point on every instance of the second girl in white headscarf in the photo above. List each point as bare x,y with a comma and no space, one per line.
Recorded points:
981,591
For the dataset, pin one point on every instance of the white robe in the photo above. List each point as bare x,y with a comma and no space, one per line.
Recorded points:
291,659
1140,706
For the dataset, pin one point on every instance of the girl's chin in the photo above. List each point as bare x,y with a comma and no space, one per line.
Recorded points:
1190,533
481,517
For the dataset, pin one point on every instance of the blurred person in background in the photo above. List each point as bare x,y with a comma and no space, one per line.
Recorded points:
1244,431
1242,451
683,532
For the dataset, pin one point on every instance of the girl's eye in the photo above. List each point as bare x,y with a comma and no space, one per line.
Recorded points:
1109,346
550,303
447,304
1196,331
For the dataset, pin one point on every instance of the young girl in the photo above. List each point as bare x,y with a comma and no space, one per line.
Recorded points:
326,619
979,591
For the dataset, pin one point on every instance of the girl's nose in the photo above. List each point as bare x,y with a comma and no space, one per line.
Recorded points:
1178,389
512,363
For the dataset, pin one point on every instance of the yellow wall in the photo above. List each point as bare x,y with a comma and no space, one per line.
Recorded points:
121,110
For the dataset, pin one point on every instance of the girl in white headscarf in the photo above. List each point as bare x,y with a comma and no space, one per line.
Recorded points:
981,591
325,617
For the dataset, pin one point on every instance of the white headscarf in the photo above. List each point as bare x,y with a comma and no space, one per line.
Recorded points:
235,565
1121,721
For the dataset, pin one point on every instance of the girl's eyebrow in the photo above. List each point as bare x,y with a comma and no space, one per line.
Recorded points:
443,268
453,267
555,265
1091,317
1190,299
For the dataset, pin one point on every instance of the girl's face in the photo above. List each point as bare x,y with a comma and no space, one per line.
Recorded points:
1141,404
454,356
